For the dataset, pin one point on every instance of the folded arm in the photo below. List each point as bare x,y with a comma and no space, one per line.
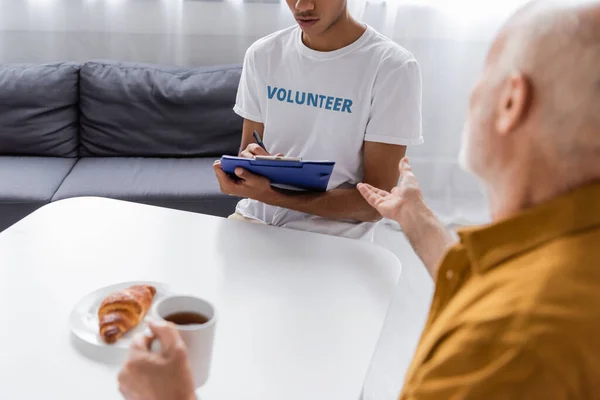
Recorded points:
380,169
380,162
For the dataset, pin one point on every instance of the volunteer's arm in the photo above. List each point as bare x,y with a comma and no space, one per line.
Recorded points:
248,147
380,170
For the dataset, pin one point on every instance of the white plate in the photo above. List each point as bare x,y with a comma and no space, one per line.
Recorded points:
84,317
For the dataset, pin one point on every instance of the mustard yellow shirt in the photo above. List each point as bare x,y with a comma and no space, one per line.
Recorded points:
516,311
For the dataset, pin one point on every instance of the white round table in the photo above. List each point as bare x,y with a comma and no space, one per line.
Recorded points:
299,314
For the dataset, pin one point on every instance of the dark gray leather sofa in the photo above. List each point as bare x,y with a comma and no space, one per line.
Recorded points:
133,132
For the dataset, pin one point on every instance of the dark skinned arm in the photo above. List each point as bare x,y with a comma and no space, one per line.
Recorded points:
380,169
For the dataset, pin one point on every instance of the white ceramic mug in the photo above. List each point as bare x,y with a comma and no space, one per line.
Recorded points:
198,338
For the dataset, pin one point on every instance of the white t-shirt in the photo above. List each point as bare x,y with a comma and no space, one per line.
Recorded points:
323,106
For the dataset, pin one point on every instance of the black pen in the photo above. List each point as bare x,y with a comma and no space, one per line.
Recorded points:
259,141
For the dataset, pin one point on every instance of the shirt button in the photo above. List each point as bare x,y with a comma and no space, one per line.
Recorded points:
449,274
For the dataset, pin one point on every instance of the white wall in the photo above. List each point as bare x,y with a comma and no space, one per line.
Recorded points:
191,32
449,38
169,31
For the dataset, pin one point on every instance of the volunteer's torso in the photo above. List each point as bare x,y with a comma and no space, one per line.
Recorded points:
315,105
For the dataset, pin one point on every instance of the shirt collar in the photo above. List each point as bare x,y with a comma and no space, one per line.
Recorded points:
490,245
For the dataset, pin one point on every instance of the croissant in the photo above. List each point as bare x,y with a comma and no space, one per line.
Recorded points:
124,310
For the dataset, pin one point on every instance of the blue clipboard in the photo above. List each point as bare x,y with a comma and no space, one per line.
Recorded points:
306,175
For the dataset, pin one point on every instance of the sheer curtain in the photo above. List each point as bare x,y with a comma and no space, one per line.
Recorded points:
450,39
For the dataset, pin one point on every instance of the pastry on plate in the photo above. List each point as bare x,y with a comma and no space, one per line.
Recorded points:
122,311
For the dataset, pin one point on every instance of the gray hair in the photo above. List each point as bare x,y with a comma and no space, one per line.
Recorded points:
557,44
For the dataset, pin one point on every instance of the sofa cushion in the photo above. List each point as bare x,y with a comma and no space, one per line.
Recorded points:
32,179
142,110
38,109
27,183
183,184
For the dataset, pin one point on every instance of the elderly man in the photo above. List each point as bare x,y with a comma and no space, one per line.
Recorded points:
516,311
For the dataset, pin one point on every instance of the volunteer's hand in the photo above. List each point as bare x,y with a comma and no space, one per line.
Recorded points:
166,375
253,150
247,184
390,205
